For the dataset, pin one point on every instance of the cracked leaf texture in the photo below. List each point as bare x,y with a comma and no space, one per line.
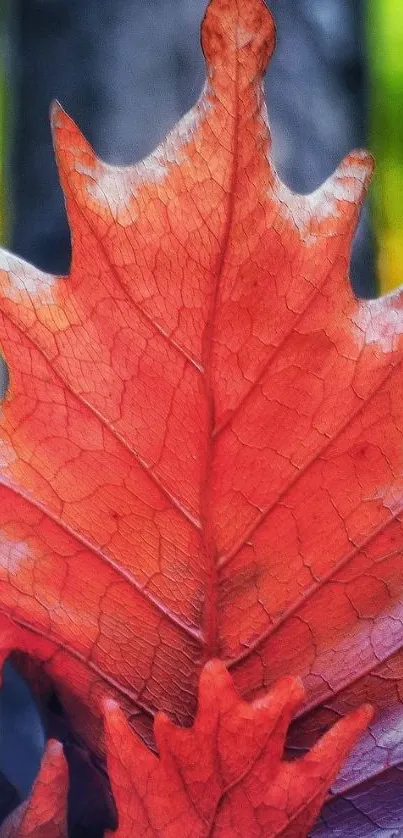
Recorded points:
201,445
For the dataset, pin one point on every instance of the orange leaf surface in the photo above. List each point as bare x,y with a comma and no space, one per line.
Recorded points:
201,445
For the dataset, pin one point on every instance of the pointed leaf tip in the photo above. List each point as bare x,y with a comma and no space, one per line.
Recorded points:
229,761
214,672
352,178
56,109
44,814
337,743
49,795
60,121
240,31
334,207
74,153
288,692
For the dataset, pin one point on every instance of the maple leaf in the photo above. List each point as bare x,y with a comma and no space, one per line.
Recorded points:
200,447
224,777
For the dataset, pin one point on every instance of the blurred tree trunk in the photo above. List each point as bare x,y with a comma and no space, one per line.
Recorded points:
127,69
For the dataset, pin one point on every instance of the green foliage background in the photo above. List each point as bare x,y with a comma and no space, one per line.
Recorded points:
385,66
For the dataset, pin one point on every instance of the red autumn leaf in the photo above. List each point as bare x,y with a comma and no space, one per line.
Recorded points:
200,448
224,777
43,815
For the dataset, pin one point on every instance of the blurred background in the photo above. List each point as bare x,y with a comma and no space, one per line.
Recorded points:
126,70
